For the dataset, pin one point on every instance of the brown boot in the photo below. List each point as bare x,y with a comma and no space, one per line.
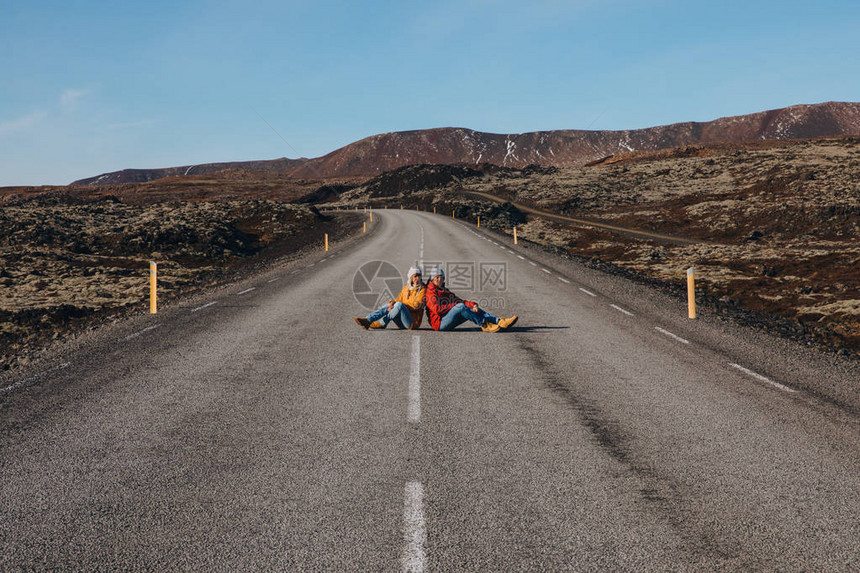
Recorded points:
490,327
376,324
505,323
362,322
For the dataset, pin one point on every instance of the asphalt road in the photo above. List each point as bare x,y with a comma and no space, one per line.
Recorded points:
260,429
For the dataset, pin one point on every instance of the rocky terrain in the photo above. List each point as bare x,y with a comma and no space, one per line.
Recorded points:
69,260
776,224
562,148
772,227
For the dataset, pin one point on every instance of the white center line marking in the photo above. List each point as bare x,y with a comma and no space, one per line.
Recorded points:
310,265
138,333
619,309
414,529
532,263
273,280
675,336
413,410
247,290
547,271
565,281
586,291
208,304
758,376
521,257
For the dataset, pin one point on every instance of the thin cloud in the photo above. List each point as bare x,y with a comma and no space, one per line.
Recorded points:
69,98
22,123
130,124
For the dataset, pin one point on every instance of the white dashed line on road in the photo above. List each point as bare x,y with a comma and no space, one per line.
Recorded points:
586,291
246,291
414,529
138,333
565,281
207,305
33,378
521,257
761,378
675,336
413,409
532,263
547,271
273,280
619,309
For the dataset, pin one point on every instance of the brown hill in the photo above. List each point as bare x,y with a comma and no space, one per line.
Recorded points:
564,148
282,165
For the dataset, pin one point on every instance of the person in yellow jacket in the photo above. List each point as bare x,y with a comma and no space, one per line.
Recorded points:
406,311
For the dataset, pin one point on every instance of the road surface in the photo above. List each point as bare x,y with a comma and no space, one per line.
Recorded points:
260,429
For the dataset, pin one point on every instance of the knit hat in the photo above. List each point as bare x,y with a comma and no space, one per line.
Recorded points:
436,272
413,271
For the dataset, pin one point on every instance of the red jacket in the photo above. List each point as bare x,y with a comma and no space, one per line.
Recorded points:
439,301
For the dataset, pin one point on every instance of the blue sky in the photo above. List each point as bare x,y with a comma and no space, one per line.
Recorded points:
89,86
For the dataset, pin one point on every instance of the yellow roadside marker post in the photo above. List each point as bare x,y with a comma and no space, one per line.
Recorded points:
326,242
153,281
434,209
371,214
452,214
515,235
364,227
691,293
479,221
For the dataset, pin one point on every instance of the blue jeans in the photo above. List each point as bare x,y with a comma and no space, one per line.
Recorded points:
461,313
399,314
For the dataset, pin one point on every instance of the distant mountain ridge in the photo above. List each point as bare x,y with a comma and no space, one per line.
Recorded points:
563,148
282,165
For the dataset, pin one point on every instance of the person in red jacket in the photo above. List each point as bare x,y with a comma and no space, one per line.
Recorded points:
446,311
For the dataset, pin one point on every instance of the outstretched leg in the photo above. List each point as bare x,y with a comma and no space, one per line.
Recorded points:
373,318
460,313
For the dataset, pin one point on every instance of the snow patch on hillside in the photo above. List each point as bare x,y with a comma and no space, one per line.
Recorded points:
510,153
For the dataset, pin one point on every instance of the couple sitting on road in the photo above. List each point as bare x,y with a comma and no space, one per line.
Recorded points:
445,310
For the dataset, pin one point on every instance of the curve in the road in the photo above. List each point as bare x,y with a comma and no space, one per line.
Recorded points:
661,237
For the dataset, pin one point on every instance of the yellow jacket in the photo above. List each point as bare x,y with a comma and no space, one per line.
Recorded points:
413,298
